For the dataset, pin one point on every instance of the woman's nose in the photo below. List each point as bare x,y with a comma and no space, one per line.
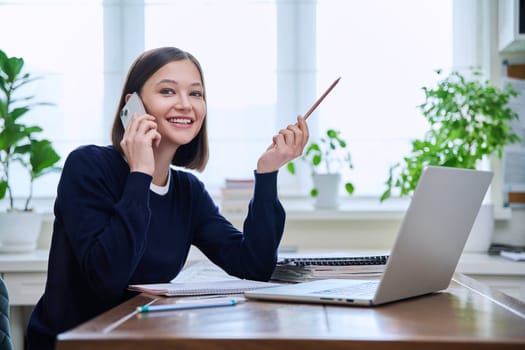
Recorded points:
183,103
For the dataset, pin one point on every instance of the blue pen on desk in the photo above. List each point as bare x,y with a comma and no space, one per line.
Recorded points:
169,307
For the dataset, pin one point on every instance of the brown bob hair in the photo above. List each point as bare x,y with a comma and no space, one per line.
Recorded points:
193,155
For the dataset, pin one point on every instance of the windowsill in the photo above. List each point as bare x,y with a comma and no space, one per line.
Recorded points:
355,208
302,208
349,209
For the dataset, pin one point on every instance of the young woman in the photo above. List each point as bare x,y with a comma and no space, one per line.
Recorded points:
124,216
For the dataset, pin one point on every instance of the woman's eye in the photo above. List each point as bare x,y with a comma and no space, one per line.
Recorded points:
196,94
167,91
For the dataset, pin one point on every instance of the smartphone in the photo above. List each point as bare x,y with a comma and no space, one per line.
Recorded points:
134,105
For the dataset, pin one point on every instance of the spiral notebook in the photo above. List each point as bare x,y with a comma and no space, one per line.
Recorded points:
334,261
180,289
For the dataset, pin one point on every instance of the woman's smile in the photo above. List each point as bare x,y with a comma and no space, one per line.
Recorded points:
184,122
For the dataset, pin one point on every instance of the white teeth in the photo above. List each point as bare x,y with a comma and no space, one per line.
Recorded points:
179,120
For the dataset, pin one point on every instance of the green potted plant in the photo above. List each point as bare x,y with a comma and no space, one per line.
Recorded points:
326,158
19,145
469,120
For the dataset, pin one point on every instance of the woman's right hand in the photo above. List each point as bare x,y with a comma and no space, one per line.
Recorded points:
138,141
287,145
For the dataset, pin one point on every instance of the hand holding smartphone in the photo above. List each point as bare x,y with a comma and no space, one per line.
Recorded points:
134,105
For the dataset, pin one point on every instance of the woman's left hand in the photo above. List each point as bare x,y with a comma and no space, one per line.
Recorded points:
287,145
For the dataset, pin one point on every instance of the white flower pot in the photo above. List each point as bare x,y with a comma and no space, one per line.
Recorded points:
480,236
327,186
19,231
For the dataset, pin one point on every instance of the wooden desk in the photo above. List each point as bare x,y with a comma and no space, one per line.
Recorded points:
467,315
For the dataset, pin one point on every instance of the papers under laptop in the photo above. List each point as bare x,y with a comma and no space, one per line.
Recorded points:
426,251
301,268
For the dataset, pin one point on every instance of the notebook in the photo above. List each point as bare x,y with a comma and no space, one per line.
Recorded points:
180,289
334,261
426,251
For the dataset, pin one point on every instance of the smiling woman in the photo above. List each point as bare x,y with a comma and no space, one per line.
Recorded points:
176,109
124,215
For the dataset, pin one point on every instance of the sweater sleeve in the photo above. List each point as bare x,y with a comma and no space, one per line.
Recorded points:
251,254
105,217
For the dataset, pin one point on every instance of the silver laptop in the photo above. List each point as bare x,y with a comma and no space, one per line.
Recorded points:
426,251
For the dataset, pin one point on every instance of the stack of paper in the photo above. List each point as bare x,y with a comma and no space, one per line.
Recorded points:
311,273
303,269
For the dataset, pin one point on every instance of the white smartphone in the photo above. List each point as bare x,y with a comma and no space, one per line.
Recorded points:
134,105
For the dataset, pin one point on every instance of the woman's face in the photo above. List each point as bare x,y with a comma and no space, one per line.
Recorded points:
174,95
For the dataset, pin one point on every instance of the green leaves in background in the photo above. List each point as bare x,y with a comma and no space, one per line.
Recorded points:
17,140
468,120
329,155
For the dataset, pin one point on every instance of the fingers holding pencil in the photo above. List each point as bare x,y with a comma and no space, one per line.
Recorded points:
290,142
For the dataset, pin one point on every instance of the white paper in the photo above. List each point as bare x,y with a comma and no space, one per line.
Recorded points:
513,255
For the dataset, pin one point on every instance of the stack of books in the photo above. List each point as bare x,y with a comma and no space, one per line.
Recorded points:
236,194
310,269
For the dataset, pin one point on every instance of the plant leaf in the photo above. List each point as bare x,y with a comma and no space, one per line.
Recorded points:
291,167
3,188
42,156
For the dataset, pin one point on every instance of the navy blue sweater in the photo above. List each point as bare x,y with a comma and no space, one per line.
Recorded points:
111,230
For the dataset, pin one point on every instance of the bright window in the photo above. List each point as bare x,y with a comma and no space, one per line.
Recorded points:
385,52
62,43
